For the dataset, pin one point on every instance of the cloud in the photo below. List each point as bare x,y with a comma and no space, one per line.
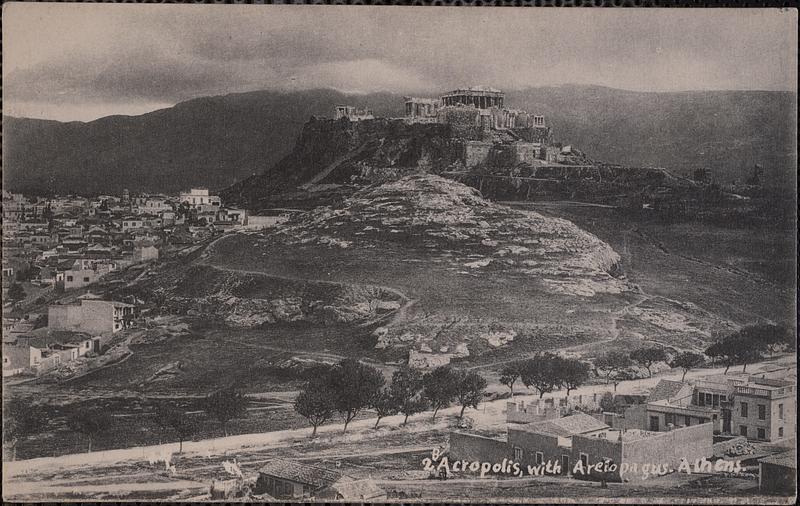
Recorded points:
363,76
131,55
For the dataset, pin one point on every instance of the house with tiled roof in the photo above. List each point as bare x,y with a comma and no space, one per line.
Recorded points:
671,404
289,479
673,391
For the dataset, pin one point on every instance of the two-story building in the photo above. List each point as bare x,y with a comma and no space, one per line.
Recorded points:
670,405
760,409
99,317
198,197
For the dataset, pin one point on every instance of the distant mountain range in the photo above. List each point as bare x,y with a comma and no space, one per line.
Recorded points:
217,141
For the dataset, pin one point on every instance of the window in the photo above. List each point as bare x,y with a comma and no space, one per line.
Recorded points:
744,409
780,411
762,412
69,278
762,434
780,431
517,453
85,280
687,420
709,399
669,418
743,430
539,458
584,460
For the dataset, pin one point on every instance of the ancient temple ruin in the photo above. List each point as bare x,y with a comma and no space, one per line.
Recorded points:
491,132
482,106
352,113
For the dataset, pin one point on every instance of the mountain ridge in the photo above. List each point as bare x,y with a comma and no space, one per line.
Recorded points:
217,141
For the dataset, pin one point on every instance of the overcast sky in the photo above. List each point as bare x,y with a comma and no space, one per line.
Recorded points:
83,61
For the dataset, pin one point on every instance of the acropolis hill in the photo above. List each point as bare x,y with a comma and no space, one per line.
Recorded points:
467,134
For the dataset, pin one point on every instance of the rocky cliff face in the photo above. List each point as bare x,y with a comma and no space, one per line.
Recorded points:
342,152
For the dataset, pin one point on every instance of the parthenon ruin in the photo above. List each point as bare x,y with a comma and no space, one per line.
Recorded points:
482,97
479,117
487,104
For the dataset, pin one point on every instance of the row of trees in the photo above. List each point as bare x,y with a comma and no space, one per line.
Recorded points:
350,387
545,372
617,366
749,345
743,347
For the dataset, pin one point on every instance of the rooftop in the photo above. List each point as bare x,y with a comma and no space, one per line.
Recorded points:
567,426
667,389
301,473
666,403
785,459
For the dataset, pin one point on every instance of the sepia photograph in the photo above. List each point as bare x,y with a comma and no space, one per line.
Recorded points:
369,254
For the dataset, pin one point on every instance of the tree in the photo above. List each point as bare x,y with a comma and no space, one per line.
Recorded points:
607,402
384,404
183,425
621,375
15,292
648,356
89,421
406,389
21,419
573,373
510,374
161,417
687,361
612,362
439,388
225,405
737,349
470,387
315,403
771,337
541,372
354,386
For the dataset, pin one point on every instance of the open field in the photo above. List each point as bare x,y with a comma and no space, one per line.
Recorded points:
742,274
